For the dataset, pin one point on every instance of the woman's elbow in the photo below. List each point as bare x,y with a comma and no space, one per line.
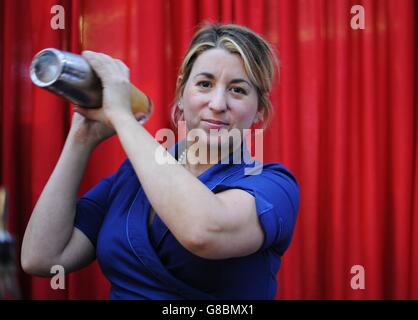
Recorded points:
34,266
200,244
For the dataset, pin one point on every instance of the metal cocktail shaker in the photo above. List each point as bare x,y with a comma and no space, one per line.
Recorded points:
70,76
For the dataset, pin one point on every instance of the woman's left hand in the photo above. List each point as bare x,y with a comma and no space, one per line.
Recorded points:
114,75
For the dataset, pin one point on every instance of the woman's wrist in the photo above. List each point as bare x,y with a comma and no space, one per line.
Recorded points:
120,119
80,143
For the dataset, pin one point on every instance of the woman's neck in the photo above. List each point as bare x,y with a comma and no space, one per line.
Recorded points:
201,162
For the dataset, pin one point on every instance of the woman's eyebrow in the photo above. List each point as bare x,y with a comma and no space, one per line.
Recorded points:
211,76
239,81
206,74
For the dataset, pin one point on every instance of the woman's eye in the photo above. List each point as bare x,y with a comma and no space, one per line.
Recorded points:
239,90
203,84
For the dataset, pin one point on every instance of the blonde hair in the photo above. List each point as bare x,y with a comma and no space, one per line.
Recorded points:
258,57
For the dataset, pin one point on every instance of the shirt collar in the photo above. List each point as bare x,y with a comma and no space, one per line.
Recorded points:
239,160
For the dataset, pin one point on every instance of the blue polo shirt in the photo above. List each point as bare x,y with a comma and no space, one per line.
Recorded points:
149,263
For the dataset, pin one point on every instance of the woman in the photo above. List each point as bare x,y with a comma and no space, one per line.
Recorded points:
201,229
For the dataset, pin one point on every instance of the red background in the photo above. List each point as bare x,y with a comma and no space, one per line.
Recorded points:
345,123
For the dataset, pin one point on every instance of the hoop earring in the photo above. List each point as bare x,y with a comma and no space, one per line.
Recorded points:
179,114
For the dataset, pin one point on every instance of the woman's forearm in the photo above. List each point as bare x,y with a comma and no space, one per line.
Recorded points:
186,205
52,221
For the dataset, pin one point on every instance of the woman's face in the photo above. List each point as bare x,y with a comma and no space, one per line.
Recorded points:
218,95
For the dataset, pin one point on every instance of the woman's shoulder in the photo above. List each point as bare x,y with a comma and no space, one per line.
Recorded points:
125,167
265,170
276,168
271,178
124,174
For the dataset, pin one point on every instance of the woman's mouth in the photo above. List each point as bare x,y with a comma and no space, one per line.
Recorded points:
214,124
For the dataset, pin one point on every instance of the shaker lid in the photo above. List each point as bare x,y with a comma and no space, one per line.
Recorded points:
46,67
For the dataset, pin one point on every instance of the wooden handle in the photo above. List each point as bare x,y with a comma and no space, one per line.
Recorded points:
140,103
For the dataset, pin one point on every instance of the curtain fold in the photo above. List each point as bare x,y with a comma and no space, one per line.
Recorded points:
345,123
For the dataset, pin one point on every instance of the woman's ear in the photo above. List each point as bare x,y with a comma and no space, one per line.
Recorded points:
179,77
179,80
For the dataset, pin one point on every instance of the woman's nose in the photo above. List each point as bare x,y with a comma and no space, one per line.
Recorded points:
218,101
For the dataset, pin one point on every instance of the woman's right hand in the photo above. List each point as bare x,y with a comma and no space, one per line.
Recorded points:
88,127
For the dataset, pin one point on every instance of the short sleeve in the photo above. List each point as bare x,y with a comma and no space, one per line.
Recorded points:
276,194
92,206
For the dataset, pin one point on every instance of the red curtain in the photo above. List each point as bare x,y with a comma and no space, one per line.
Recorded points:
345,123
